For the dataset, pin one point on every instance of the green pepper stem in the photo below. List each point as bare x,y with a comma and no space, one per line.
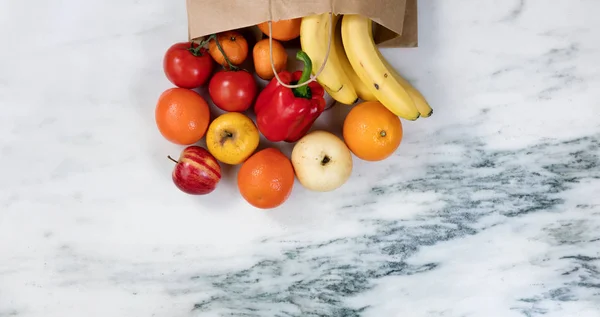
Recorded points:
303,91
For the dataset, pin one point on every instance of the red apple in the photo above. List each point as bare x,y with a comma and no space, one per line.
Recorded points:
196,172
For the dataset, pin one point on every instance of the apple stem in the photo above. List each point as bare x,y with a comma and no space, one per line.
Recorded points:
172,159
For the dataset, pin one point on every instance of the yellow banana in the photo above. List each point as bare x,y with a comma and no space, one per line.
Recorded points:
362,90
314,39
369,65
420,101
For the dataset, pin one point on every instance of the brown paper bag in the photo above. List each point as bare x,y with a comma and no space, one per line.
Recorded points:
396,20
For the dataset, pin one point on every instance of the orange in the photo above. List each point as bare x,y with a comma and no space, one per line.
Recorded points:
266,179
262,58
233,44
283,30
371,131
182,116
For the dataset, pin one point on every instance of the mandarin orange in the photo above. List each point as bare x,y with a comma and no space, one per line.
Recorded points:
182,116
371,131
233,44
266,179
283,30
262,58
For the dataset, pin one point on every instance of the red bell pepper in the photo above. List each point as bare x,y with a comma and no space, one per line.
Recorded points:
286,114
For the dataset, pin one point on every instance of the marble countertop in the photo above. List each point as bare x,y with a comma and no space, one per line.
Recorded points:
491,207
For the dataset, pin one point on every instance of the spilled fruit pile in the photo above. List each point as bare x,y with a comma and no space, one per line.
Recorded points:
340,60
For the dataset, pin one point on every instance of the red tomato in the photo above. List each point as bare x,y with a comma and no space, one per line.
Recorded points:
233,90
187,66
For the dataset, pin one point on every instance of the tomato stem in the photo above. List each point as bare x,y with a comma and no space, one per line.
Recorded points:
216,38
196,51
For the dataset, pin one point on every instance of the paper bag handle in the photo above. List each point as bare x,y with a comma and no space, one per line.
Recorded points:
313,78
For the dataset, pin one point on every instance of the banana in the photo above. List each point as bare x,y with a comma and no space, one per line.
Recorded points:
314,40
361,88
364,56
420,102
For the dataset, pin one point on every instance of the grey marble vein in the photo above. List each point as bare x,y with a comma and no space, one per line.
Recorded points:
484,189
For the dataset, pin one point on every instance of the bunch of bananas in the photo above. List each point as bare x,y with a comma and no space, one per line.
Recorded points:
355,68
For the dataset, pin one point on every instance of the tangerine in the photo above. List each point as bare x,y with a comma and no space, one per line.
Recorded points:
262,58
283,30
266,179
371,131
233,44
182,116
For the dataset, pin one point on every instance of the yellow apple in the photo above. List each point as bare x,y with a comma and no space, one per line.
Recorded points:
232,137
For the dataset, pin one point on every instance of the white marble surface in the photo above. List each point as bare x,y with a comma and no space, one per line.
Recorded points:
489,208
